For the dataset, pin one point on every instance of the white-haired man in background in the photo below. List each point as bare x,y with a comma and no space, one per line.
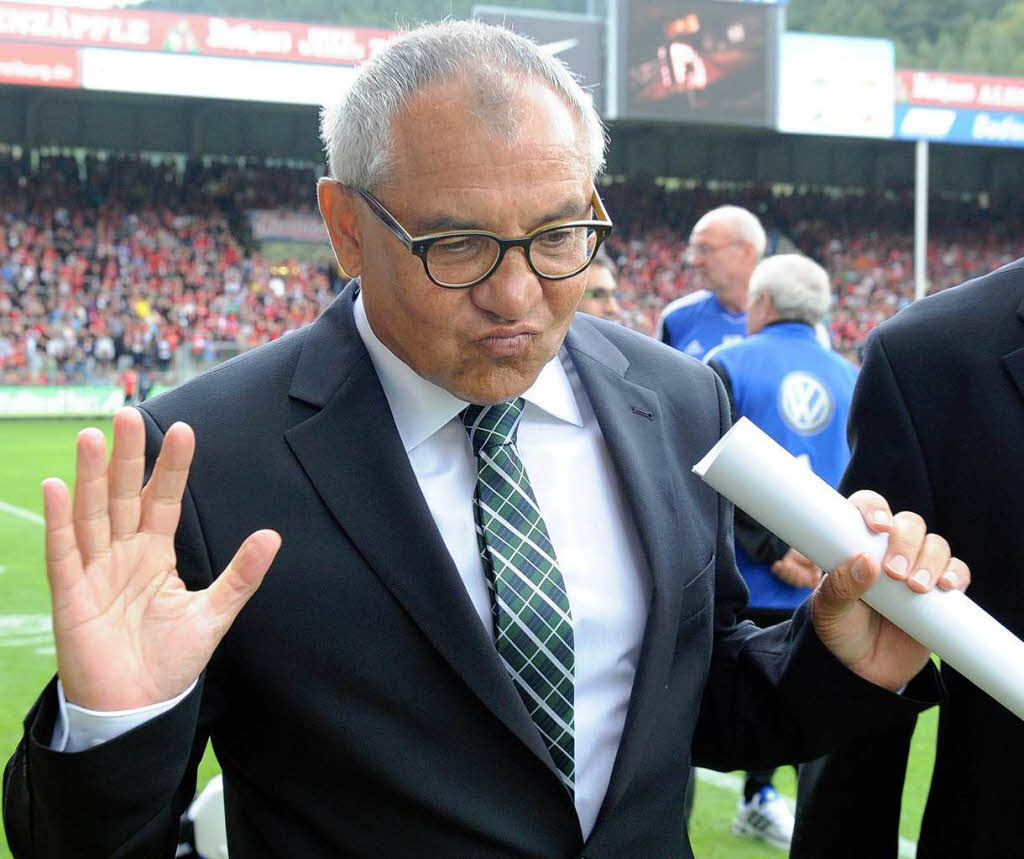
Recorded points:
798,392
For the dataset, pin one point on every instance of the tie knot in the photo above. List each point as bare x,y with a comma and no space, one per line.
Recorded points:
493,426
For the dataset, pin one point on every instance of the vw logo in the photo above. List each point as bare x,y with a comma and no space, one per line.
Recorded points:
805,403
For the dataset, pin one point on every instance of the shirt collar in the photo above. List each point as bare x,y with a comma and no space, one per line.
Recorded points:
420,408
792,328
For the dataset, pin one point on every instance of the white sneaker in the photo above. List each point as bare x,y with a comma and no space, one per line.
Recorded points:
766,817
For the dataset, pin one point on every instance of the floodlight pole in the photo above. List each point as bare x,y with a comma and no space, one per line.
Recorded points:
611,65
921,221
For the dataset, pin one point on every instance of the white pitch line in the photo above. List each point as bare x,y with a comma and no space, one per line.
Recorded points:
734,784
21,513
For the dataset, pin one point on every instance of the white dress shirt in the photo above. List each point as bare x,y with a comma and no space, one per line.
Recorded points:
590,525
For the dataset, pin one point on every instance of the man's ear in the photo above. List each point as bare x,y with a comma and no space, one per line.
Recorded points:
338,209
770,314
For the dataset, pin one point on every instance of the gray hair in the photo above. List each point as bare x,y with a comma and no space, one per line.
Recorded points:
356,133
743,223
798,287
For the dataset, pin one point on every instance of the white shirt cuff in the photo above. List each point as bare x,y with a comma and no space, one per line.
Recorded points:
78,729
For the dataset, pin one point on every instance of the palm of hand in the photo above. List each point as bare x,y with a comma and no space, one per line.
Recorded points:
128,633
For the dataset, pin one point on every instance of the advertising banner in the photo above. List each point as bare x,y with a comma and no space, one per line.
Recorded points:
39,65
955,108
271,225
956,125
836,85
699,61
974,92
577,40
213,77
43,401
189,34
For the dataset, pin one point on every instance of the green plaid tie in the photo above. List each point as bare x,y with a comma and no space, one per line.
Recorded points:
532,621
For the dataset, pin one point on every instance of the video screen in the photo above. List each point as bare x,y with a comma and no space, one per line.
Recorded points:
700,61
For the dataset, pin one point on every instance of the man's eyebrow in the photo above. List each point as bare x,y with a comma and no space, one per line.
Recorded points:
570,210
442,223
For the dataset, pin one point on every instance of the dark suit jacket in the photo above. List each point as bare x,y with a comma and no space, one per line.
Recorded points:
357,705
937,426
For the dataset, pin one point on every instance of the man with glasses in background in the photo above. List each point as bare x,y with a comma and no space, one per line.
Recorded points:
502,615
599,298
725,246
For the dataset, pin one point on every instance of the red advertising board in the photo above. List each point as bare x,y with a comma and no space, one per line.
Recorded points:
39,65
189,34
975,92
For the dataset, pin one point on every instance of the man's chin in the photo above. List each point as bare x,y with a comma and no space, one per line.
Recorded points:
501,381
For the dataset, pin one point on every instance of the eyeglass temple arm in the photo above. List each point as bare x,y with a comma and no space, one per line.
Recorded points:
386,218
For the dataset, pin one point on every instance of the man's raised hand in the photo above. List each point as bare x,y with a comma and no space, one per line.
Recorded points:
127,631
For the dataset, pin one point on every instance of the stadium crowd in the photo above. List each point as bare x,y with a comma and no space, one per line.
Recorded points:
110,263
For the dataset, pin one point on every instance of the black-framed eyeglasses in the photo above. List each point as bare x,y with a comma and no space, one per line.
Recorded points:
703,250
458,259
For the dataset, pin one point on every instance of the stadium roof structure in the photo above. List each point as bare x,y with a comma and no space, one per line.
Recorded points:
142,81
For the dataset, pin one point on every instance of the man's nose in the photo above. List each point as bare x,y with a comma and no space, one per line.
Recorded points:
511,290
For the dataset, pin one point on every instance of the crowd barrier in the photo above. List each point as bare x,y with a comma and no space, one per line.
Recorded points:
56,401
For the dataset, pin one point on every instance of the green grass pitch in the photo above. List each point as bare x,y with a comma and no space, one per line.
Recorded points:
33,450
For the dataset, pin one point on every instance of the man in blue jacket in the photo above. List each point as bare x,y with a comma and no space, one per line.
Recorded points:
724,247
797,391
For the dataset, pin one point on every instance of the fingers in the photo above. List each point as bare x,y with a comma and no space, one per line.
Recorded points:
794,573
848,582
90,516
914,556
231,590
905,542
875,510
161,499
957,576
63,562
125,473
808,577
797,570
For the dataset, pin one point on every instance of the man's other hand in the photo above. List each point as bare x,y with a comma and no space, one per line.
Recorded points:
797,570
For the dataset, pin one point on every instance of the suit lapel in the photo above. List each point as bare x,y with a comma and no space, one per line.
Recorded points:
352,453
633,426
1014,361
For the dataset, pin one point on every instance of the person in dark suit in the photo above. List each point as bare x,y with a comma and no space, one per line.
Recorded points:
502,615
961,349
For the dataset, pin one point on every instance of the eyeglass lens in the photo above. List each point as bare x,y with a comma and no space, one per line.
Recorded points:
557,252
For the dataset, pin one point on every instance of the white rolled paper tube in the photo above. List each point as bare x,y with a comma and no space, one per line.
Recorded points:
773,487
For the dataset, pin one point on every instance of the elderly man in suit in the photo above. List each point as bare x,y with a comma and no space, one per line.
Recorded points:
501,619
962,348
